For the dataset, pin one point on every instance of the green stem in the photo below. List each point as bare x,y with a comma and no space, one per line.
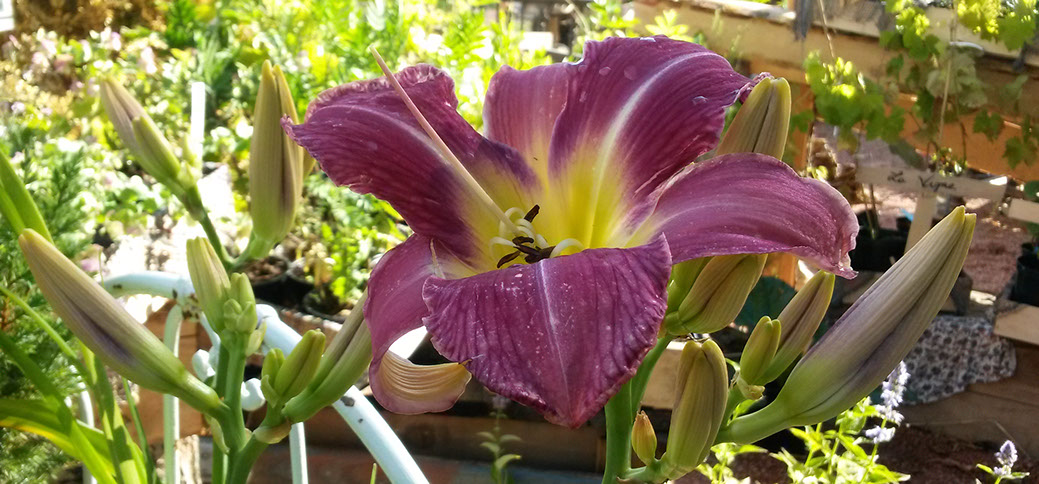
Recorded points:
735,399
192,201
641,379
244,461
256,249
619,420
127,469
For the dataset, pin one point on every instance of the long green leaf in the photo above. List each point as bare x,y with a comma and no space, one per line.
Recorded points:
41,418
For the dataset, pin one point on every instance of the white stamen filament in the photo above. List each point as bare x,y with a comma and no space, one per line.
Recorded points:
566,244
453,161
496,241
540,240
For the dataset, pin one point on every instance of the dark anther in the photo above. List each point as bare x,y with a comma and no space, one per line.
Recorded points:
529,250
529,217
508,258
546,252
532,258
522,240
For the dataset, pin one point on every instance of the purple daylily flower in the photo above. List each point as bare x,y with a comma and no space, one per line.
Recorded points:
556,306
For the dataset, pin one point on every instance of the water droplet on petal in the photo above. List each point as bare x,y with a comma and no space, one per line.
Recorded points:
584,96
699,100
371,145
604,71
630,73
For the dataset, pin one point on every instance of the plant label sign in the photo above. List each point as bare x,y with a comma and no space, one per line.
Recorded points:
929,185
6,15
929,182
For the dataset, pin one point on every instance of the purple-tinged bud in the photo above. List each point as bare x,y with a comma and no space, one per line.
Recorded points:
95,317
872,337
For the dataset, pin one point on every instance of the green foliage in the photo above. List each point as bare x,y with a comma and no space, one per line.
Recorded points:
942,77
494,441
836,455
1011,23
849,100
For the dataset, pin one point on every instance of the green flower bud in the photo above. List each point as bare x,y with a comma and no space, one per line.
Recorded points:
272,364
343,363
239,309
762,123
703,387
872,337
758,354
300,366
718,294
209,279
275,161
95,317
644,439
16,205
683,275
157,158
801,318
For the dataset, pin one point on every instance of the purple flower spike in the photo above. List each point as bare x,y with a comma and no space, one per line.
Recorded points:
543,248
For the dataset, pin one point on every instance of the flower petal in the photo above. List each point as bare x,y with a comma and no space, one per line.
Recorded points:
522,106
747,203
638,111
560,335
364,137
395,307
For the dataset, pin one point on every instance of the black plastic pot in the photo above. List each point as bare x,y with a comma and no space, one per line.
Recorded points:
1026,284
277,286
877,253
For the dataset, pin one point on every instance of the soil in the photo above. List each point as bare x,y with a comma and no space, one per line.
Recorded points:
927,457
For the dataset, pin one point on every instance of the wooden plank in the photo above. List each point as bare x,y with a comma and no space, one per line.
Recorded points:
1024,210
920,181
1021,324
660,391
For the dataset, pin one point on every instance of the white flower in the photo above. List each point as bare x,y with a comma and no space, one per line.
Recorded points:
880,434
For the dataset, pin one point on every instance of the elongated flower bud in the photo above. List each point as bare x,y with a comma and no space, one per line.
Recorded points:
107,329
300,366
122,109
758,354
762,123
703,388
683,275
718,294
143,139
342,364
644,439
800,318
275,161
209,279
16,205
871,338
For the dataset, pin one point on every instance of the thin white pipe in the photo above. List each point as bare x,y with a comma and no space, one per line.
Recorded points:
384,445
86,414
298,452
170,404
